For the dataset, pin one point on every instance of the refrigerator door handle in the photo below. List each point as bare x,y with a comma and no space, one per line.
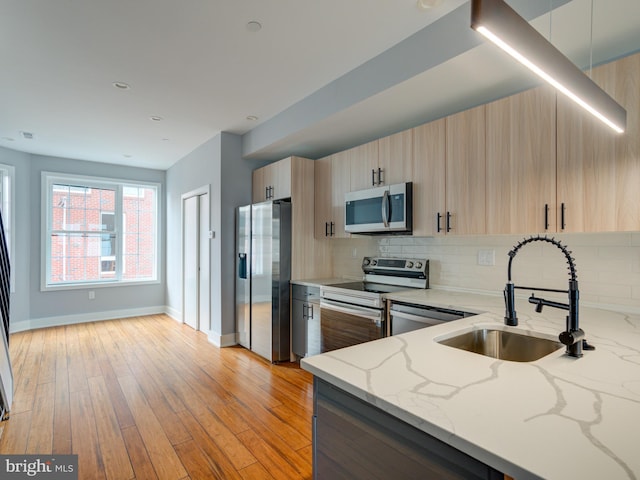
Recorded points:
242,265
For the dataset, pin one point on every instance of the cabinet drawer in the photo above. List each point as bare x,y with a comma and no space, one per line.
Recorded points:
305,292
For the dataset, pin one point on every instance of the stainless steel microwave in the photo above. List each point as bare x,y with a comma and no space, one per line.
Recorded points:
380,210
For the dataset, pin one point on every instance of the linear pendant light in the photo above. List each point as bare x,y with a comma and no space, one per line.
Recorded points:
499,23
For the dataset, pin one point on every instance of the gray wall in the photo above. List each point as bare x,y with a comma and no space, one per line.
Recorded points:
33,308
219,164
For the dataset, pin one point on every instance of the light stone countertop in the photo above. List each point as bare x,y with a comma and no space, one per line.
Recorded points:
318,282
557,417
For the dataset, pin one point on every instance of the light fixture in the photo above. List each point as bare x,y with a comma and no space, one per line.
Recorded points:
121,85
252,118
254,26
156,118
503,26
427,4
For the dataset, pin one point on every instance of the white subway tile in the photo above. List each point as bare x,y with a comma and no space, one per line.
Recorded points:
608,264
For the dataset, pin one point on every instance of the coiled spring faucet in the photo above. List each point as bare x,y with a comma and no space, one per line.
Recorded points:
573,336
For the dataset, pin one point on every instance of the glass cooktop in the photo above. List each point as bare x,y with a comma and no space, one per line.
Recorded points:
369,287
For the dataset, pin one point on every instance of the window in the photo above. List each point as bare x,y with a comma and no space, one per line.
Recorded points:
99,231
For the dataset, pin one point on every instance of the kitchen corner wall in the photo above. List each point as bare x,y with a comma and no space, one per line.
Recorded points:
608,264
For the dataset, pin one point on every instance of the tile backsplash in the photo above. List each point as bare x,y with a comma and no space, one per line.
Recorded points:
608,264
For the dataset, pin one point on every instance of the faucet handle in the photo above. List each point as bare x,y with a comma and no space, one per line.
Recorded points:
537,301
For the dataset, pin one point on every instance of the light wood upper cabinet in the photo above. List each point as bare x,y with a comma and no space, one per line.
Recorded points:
465,172
395,158
323,197
599,170
258,186
363,165
273,181
332,175
521,163
309,258
428,177
293,178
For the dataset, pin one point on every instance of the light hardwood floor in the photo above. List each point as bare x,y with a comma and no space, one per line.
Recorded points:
148,398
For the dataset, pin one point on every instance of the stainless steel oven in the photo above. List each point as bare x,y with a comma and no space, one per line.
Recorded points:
343,324
353,313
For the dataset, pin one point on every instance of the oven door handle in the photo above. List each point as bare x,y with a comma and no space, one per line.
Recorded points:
368,313
416,318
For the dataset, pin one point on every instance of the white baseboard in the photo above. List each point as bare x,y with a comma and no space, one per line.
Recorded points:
226,340
45,322
173,313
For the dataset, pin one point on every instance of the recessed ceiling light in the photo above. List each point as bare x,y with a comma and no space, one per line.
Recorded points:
156,118
126,155
252,118
27,135
254,26
8,139
427,4
165,139
121,85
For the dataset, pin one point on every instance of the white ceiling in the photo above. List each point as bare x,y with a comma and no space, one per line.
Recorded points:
195,64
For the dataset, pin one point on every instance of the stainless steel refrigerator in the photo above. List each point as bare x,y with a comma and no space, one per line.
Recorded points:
263,272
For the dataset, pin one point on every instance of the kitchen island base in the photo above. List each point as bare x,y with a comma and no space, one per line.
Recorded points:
353,439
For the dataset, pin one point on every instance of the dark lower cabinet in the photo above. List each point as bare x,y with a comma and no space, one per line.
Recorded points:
355,440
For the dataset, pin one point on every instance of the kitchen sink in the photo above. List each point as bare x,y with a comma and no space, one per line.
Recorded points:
502,344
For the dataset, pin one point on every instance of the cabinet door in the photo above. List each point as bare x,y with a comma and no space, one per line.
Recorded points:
521,163
465,182
323,197
395,158
279,174
428,178
599,170
299,327
259,193
363,161
340,181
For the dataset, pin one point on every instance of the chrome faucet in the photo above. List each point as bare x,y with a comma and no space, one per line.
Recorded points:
573,336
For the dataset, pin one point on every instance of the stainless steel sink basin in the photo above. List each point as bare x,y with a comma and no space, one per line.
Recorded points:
504,345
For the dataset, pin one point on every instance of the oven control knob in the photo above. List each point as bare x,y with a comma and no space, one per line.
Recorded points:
374,263
418,264
409,264
365,262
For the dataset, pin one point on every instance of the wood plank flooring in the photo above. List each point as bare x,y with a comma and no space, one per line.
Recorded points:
147,398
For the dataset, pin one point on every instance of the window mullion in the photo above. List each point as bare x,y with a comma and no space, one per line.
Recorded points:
118,233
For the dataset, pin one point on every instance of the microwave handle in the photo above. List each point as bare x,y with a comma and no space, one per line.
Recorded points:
385,210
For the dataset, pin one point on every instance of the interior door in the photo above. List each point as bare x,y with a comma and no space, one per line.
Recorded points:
196,276
190,262
204,284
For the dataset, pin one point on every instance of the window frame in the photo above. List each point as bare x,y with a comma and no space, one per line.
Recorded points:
119,185
7,200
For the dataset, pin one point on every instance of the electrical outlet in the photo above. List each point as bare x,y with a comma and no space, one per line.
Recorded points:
486,257
92,295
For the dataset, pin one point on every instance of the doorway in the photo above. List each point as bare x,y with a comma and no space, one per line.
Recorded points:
196,290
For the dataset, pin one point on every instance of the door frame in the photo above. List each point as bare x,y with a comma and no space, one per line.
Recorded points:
203,190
